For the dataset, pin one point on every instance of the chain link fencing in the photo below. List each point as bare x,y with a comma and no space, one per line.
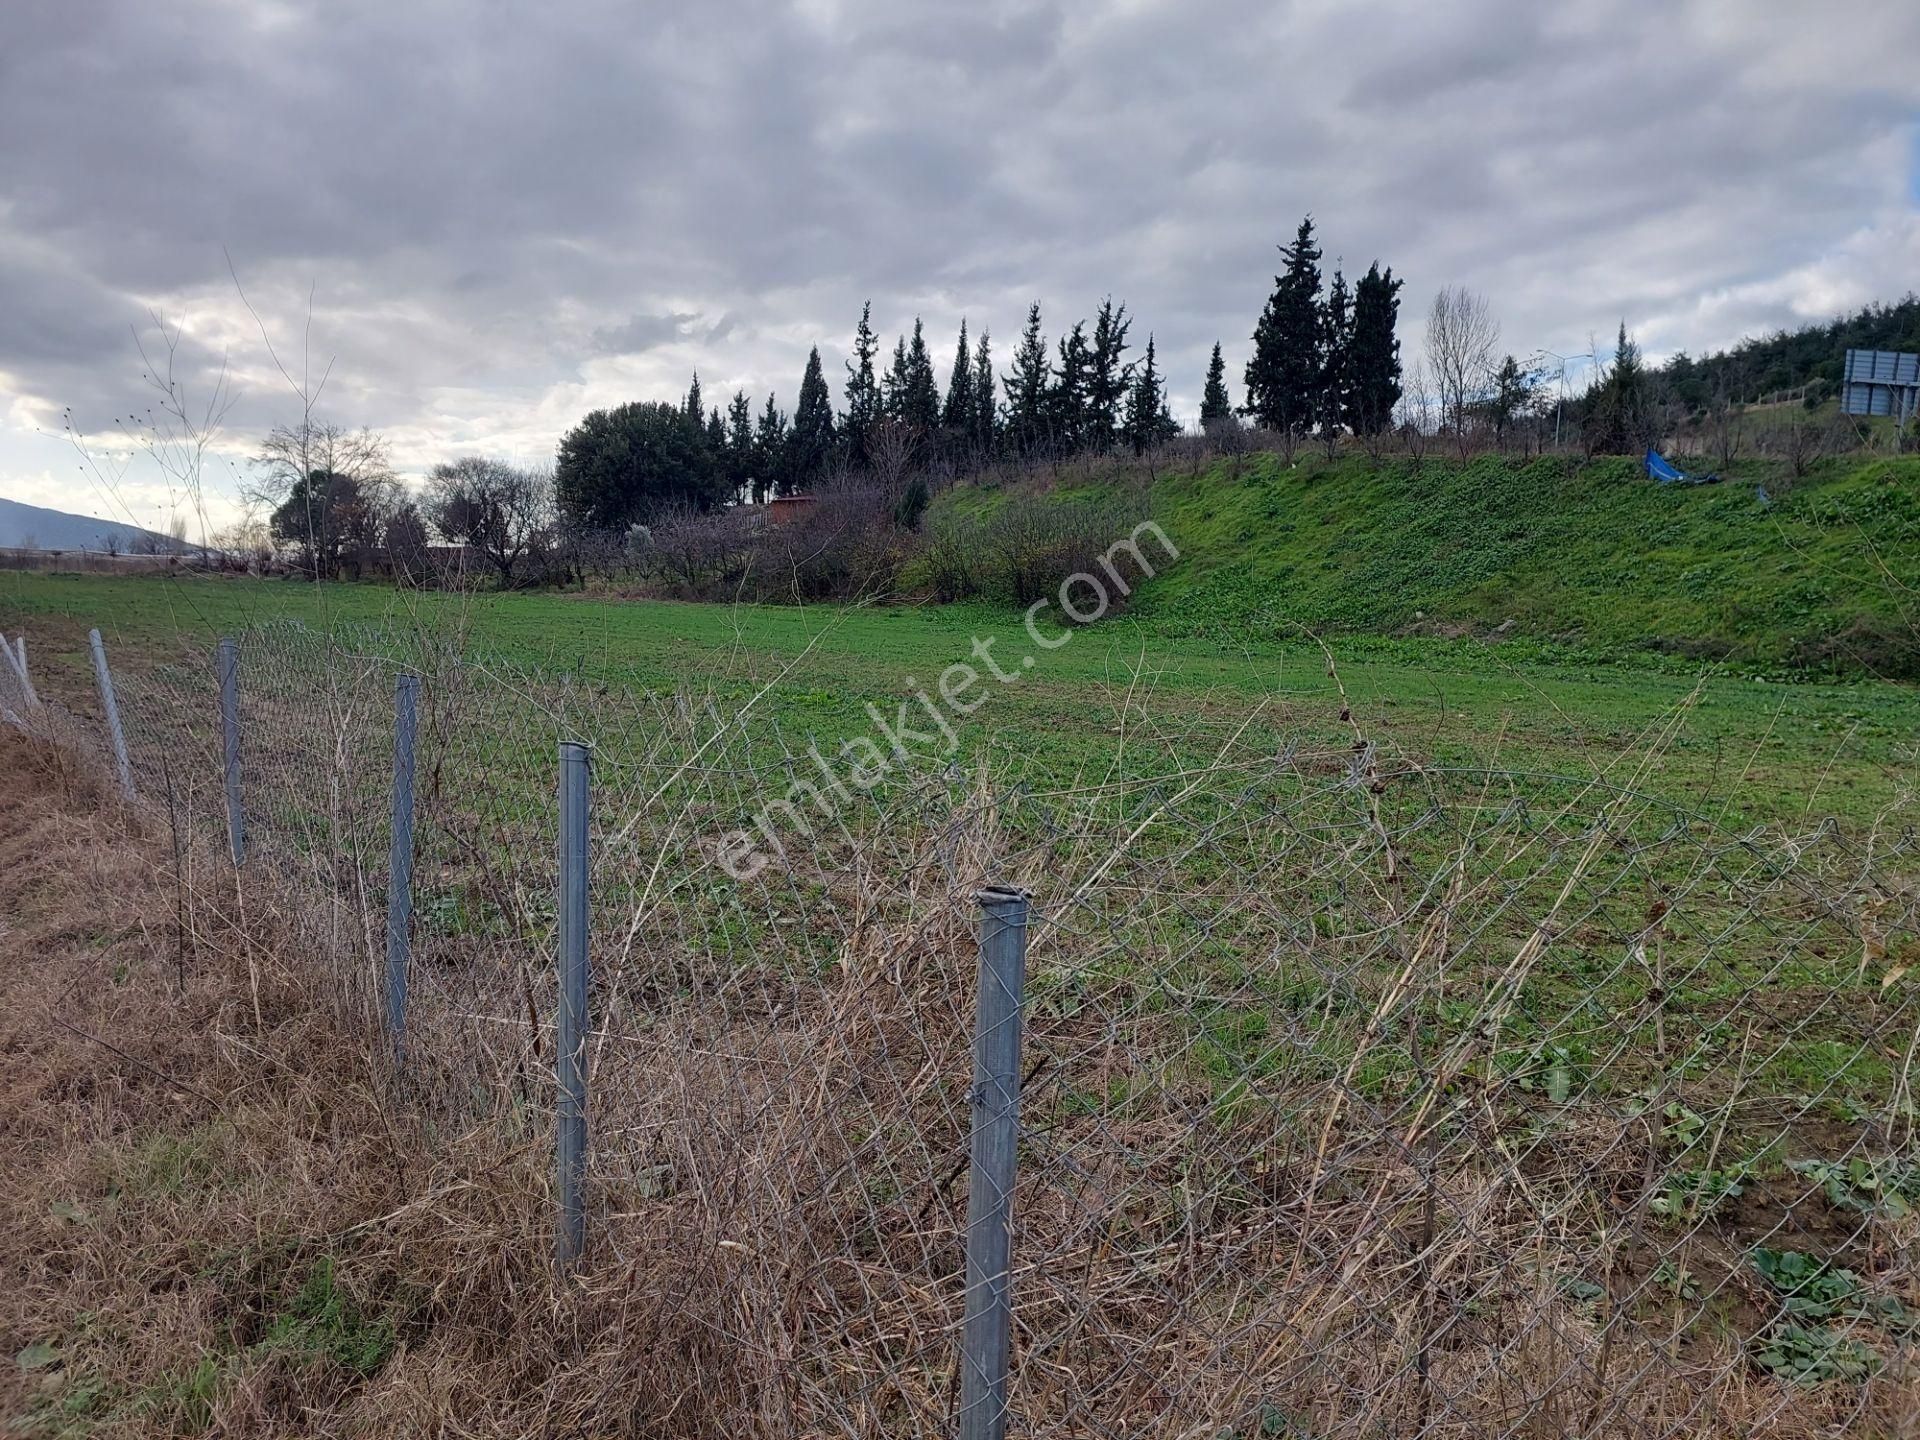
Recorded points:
1356,1096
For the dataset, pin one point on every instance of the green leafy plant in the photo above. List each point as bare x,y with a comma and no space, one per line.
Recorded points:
1803,1355
1861,1184
1676,1280
1811,1289
1681,1126
1580,1290
1550,1070
1695,1194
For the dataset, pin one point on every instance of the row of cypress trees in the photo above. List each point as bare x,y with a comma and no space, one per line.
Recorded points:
1323,357
1086,395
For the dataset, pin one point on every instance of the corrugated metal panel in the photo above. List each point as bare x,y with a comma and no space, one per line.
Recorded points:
1880,382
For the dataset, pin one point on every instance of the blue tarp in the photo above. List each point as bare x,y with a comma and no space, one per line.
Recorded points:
1664,470
1661,469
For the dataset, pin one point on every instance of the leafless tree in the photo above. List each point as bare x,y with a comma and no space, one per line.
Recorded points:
500,510
1803,442
891,448
692,549
1285,441
331,490
294,452
1373,439
176,431
247,542
1416,414
1461,339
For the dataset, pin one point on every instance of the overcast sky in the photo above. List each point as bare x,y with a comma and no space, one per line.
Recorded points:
508,214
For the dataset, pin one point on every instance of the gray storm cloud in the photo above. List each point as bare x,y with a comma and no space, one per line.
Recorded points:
505,214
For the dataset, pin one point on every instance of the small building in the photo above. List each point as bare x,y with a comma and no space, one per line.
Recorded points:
784,508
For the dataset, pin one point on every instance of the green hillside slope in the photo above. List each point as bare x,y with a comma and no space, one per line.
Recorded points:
1589,556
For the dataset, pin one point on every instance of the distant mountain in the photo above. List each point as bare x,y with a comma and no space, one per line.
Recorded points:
35,527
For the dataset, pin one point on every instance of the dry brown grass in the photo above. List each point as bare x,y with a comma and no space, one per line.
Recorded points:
199,1124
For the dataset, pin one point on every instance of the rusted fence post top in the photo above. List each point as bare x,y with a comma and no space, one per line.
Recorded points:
994,897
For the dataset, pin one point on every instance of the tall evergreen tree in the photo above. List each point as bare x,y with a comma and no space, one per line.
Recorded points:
1373,352
1283,375
812,443
862,390
1617,409
770,451
1336,334
1147,422
1107,377
984,426
1026,385
742,476
695,412
716,434
920,397
895,383
956,417
1068,413
1512,391
1215,404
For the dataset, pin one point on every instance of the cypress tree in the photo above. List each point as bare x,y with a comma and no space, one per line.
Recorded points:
1107,377
1067,412
770,450
1617,406
717,436
920,401
1283,375
1512,389
1147,421
983,424
1026,386
812,443
957,416
895,383
1373,352
1215,404
1336,331
742,476
695,412
862,390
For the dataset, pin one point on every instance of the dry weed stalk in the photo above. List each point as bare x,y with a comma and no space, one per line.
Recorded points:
1354,1103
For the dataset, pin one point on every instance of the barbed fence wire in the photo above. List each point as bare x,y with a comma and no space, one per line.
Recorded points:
1358,1096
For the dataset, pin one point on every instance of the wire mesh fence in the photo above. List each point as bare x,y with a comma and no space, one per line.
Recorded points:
1357,1096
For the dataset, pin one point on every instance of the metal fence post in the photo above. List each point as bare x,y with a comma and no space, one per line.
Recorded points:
570,1030
17,667
112,709
20,661
406,692
986,1338
228,667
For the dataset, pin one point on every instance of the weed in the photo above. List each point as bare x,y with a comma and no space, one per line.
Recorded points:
322,1323
1695,1194
1806,1355
1862,1184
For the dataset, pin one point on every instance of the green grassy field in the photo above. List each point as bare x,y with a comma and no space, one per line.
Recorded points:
1752,748
1527,969
1552,558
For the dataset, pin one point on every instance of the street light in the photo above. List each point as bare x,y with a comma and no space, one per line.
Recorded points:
1560,400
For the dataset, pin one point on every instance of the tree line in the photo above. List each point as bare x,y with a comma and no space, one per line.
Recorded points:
1325,362
1322,358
